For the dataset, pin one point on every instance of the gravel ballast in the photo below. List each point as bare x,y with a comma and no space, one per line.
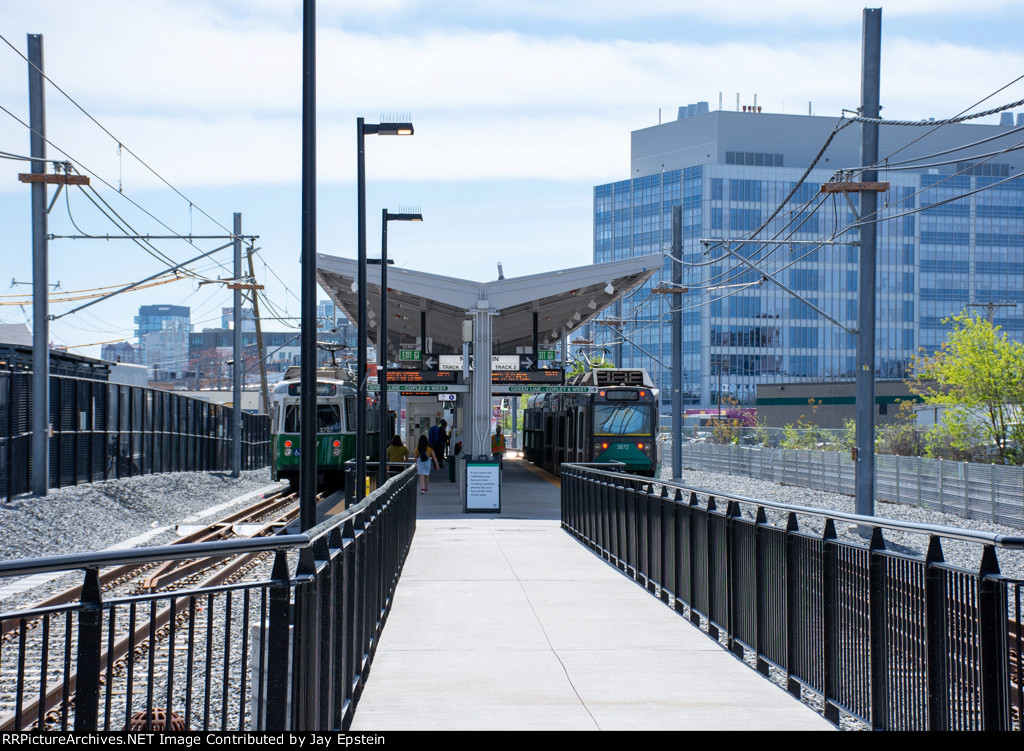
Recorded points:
963,554
84,518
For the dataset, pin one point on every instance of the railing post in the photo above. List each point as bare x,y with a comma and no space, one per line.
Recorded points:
876,644
732,511
348,620
830,603
278,647
792,616
992,622
679,548
760,521
631,535
692,557
90,623
655,576
666,574
306,665
323,648
336,717
709,567
935,633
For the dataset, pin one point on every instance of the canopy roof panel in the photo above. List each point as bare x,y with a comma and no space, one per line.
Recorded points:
567,299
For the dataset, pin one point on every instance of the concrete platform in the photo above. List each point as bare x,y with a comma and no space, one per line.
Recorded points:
507,623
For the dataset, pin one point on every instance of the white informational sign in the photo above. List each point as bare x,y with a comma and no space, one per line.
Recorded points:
498,362
504,362
449,362
483,487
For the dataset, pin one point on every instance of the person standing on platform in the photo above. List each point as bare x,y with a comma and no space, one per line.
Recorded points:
434,439
397,452
498,445
424,458
442,447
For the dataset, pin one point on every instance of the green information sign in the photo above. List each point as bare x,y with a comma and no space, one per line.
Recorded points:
545,354
421,387
551,389
408,354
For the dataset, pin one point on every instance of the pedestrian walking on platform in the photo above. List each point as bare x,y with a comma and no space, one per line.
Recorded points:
424,458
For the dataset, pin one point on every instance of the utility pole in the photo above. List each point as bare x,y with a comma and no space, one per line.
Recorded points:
264,391
236,393
40,271
677,342
865,438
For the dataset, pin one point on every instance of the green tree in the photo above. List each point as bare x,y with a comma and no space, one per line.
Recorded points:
580,365
978,376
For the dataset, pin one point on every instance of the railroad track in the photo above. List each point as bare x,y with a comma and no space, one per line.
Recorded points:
26,641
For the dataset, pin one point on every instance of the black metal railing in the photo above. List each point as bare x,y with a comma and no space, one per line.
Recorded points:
106,430
894,639
288,649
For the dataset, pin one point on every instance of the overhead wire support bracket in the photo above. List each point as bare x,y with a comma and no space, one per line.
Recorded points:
58,179
152,237
852,187
723,240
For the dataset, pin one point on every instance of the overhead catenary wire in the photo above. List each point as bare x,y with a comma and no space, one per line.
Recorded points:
117,140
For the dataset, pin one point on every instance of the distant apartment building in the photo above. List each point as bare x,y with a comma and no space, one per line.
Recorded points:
210,350
120,352
162,331
950,238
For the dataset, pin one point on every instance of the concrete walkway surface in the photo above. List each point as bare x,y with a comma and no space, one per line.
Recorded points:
505,622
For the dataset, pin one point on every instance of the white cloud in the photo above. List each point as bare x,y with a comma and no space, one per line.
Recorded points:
209,94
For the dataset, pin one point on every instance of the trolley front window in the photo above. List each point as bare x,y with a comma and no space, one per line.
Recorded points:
328,418
622,419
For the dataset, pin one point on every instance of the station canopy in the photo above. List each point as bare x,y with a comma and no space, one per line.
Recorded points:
565,299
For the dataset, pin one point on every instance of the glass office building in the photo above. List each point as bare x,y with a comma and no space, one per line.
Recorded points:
950,238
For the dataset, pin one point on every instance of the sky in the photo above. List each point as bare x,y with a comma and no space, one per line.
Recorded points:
190,110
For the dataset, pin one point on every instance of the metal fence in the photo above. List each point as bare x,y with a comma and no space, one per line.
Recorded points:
897,641
287,651
104,430
990,492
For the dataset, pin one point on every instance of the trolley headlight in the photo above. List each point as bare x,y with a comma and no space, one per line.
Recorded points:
287,452
640,446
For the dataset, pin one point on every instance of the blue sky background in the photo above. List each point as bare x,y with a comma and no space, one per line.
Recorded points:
520,108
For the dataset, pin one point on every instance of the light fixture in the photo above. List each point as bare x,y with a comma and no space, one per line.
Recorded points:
609,289
576,316
592,305
355,286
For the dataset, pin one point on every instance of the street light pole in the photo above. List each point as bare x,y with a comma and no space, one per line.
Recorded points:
307,371
384,437
362,129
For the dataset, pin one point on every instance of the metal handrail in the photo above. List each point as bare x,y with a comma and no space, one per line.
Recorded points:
1009,542
221,548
